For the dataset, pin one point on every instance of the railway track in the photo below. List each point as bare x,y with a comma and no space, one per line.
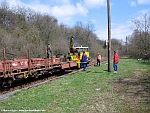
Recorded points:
33,82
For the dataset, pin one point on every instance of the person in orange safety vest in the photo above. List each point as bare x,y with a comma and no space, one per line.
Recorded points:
98,59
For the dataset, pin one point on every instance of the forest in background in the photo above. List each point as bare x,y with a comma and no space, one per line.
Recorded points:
22,28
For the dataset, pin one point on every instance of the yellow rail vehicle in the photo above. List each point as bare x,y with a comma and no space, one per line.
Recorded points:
77,52
80,52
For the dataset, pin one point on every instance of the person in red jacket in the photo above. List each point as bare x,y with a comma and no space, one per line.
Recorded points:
116,60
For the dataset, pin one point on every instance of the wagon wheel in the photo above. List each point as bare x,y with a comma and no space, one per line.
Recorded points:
35,74
6,83
3,85
9,82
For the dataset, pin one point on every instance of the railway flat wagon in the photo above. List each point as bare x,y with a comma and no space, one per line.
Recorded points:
17,69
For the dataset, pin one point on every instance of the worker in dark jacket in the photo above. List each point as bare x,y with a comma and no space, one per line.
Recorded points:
84,61
116,60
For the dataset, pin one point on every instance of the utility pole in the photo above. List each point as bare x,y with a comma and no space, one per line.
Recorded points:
109,36
126,45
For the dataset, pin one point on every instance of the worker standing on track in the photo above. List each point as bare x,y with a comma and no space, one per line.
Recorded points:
78,61
84,60
98,59
49,51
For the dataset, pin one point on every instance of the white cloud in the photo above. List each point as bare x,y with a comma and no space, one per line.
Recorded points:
64,11
144,11
68,12
94,3
121,31
65,8
140,15
102,34
58,2
64,1
133,3
40,8
141,2
117,31
12,2
81,9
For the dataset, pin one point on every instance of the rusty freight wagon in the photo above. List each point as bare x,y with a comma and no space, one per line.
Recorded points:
17,69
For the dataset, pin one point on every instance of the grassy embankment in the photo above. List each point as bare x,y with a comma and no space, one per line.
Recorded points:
91,91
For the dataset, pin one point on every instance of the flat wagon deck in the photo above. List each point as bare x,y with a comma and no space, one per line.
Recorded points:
17,69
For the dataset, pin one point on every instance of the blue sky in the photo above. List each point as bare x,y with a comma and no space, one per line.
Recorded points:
69,12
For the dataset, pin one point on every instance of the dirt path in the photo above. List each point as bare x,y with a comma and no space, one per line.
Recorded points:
136,90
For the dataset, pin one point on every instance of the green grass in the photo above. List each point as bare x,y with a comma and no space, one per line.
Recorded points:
91,91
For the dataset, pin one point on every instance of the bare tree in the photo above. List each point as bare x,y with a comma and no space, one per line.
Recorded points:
141,36
22,28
